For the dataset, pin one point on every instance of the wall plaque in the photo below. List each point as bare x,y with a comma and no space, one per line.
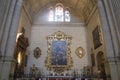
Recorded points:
37,52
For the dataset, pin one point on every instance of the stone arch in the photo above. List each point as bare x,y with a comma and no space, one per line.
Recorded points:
59,4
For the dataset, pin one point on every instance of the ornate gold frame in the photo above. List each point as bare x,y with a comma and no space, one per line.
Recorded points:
37,52
80,52
58,36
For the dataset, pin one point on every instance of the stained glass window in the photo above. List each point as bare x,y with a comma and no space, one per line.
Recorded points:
51,15
59,14
67,16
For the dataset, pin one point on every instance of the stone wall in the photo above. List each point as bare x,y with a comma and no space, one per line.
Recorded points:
38,39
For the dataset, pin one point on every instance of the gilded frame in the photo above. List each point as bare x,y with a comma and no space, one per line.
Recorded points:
97,37
59,37
37,52
80,52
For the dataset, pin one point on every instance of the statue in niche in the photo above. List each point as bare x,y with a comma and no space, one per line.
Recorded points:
37,52
33,69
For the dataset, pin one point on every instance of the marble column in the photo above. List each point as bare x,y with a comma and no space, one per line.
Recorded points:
115,29
4,8
115,11
115,7
10,39
110,38
3,29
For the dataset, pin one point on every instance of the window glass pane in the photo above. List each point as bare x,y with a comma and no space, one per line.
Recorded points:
59,14
51,15
67,16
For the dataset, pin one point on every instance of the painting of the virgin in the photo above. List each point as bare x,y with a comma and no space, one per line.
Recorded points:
59,53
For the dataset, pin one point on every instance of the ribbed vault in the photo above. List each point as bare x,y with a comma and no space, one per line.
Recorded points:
80,8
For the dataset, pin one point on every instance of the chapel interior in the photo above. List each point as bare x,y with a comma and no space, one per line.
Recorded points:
59,40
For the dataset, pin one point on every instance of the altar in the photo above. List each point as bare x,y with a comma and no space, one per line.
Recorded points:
59,78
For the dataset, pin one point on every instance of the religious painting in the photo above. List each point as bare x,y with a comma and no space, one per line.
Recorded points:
58,57
59,53
97,37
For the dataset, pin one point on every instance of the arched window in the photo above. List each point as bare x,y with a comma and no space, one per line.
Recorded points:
59,14
67,15
51,14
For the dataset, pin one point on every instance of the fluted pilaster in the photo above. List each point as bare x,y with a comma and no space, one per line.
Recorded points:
9,37
110,37
115,7
4,8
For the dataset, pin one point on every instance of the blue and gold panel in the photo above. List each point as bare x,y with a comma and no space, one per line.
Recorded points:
59,53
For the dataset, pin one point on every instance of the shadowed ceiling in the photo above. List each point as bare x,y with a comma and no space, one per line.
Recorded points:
80,8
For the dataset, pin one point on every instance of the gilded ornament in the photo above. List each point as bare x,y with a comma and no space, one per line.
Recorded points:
59,55
80,52
37,52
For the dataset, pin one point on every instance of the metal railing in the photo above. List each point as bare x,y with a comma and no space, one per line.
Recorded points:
39,76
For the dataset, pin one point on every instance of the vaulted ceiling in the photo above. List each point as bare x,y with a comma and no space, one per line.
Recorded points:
81,8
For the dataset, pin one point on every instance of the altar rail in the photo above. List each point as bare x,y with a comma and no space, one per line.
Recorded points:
47,77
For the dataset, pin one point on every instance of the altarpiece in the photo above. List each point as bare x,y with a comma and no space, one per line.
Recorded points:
59,53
